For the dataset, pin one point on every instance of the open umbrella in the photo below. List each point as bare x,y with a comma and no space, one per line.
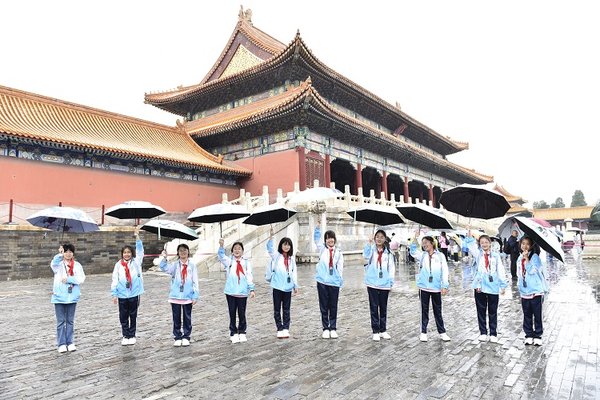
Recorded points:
423,214
315,194
376,214
170,229
134,210
218,213
433,233
542,236
507,226
63,219
542,222
269,215
474,201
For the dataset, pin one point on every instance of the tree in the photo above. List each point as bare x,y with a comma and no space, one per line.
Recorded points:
558,203
540,204
578,199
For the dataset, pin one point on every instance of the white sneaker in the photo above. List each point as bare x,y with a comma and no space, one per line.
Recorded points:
279,334
285,333
235,338
537,341
185,342
124,341
333,334
243,338
62,349
528,340
177,343
444,337
376,337
326,334
132,340
494,339
423,337
483,338
71,347
385,335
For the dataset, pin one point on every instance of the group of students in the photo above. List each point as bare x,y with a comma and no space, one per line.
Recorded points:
489,281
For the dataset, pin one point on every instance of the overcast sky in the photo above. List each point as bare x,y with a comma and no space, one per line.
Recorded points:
518,80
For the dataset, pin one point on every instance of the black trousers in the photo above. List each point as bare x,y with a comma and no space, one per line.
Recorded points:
378,300
436,301
128,309
513,264
237,305
444,252
487,304
182,311
532,317
328,302
282,301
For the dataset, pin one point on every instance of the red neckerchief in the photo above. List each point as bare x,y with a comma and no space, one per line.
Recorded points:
487,261
523,267
71,265
331,258
239,270
127,274
286,262
183,272
379,255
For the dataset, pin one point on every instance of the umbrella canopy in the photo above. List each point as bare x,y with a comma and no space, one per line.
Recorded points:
542,222
475,201
542,236
425,215
433,233
315,194
218,213
134,210
376,214
170,229
269,215
507,226
64,219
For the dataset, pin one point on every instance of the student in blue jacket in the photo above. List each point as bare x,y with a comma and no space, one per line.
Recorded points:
238,286
127,286
68,275
432,281
379,278
283,276
532,284
489,281
329,277
183,294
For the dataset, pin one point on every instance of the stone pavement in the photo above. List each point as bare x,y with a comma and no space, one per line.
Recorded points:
305,366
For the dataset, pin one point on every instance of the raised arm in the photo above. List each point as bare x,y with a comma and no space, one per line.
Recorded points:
317,239
166,266
139,249
57,260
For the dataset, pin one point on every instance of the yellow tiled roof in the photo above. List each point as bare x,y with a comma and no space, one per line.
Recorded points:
511,198
555,214
32,116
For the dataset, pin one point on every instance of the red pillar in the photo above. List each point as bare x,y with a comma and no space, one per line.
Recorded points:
327,171
431,195
10,211
384,187
302,167
358,177
406,189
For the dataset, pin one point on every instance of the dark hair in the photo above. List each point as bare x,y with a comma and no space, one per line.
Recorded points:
430,240
534,246
444,234
288,241
484,237
386,244
330,235
183,246
237,243
69,247
130,249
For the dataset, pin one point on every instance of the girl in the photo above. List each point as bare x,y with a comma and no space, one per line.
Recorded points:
184,292
443,241
68,275
379,278
432,281
330,269
489,281
127,286
283,276
532,286
238,286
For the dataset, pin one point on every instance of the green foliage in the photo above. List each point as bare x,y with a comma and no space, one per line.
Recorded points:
558,203
540,204
578,199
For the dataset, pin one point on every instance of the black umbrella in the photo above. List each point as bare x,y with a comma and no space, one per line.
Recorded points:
542,236
170,229
424,215
376,214
218,213
269,215
474,201
134,210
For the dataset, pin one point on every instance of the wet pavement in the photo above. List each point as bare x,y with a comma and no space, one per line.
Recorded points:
305,366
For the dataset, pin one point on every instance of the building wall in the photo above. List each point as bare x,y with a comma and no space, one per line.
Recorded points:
277,170
34,182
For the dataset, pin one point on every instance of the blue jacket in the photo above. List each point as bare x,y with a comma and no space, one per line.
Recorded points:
534,277
435,267
189,290
118,286
60,290
481,276
335,278
235,286
276,272
373,269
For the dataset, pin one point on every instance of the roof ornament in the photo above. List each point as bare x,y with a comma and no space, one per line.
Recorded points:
179,125
245,15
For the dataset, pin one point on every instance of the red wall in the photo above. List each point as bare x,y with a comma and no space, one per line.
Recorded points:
37,182
277,170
